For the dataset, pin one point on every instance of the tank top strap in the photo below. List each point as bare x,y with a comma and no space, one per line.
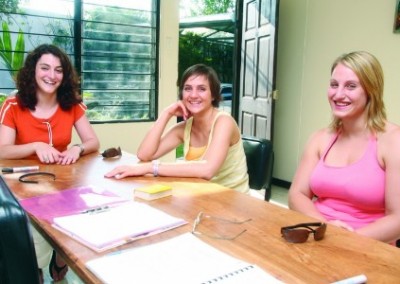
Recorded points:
333,140
219,113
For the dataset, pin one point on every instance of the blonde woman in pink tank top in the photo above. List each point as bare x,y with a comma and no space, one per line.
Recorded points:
349,174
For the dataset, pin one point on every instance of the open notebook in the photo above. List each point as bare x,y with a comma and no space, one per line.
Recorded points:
181,260
117,225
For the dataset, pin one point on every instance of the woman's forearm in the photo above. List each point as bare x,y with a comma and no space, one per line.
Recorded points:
17,151
303,204
149,145
90,146
385,229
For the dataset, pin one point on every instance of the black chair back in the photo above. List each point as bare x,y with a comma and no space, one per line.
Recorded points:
18,262
260,163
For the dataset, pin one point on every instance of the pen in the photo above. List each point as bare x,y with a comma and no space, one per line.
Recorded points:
96,210
20,169
359,279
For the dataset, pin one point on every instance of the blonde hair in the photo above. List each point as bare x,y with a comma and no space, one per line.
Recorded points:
369,72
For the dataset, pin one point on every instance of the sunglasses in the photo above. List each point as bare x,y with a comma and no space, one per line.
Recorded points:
112,152
299,233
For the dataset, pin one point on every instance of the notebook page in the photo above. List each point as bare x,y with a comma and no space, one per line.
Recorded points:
181,260
116,225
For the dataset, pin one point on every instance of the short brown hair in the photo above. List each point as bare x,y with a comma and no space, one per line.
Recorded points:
212,77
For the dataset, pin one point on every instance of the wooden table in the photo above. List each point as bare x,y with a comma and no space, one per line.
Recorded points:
339,255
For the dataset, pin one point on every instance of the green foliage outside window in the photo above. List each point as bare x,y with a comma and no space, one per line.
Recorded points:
9,6
13,56
211,7
201,48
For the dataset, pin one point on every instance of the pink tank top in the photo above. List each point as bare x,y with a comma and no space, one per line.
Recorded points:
355,193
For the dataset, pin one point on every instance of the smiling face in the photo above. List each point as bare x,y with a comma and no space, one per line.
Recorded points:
48,74
347,97
196,94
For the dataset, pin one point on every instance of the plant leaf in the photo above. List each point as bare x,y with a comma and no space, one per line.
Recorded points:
18,59
6,53
2,51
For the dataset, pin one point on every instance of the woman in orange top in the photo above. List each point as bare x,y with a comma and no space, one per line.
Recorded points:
37,123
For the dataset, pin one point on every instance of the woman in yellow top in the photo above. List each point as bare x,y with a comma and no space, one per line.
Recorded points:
213,148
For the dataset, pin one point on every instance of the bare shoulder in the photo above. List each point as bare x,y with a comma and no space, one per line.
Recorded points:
388,144
225,121
225,116
321,137
391,133
226,124
390,137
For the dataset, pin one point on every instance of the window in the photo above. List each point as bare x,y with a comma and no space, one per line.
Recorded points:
113,45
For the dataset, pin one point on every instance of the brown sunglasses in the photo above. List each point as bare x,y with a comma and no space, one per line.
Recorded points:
299,233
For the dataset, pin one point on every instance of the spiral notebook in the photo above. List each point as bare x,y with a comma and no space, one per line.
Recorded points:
184,259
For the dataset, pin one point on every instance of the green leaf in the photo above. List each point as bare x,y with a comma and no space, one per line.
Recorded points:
1,49
18,59
7,54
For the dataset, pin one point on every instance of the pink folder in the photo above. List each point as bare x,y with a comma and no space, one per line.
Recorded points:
69,201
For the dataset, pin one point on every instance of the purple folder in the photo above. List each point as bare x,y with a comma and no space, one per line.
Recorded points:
69,201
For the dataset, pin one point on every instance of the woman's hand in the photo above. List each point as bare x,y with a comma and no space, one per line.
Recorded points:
70,156
132,170
341,224
178,109
46,153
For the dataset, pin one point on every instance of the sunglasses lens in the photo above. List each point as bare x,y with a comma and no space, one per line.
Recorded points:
296,235
112,152
320,232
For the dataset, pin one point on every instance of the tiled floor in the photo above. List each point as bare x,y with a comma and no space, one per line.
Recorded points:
278,196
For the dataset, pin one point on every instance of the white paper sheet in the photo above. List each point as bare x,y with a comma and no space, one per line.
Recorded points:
181,260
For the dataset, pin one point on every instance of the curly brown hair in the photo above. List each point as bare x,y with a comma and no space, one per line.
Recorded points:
68,92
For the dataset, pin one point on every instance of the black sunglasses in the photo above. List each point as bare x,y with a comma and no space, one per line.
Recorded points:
299,233
112,152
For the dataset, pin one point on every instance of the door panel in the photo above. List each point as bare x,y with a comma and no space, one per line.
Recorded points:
257,80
